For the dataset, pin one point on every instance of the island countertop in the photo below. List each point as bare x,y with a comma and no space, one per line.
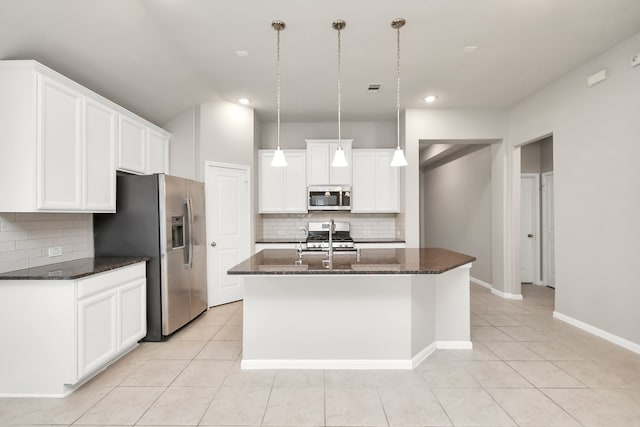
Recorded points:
371,261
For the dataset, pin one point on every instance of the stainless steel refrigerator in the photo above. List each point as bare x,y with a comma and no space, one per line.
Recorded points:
161,217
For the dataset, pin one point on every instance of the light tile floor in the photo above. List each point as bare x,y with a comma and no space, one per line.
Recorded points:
526,369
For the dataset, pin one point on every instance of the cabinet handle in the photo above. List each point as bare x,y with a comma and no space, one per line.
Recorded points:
213,244
529,235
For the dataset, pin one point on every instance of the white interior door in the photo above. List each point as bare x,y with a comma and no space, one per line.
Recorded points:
228,229
548,231
529,228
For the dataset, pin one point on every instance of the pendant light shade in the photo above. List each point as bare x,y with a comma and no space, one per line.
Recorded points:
278,156
398,155
339,159
398,158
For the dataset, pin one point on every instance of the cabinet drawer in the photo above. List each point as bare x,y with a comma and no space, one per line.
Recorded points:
110,279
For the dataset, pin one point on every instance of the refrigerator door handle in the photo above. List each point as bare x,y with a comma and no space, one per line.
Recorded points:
189,246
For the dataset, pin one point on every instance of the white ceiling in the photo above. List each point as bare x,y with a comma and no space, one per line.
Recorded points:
158,57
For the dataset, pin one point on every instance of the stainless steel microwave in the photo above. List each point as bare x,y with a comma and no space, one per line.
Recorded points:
329,198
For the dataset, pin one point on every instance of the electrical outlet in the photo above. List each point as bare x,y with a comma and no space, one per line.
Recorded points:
635,60
55,251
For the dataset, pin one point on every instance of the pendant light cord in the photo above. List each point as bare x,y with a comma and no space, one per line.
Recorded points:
339,87
278,82
398,87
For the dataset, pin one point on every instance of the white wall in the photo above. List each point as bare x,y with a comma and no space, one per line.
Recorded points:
217,131
457,209
364,134
596,148
182,153
226,134
26,237
460,125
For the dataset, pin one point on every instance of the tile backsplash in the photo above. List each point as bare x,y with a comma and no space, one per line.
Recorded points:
25,238
279,226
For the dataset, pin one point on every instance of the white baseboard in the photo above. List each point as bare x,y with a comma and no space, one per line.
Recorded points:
326,364
481,282
454,345
507,295
622,342
420,357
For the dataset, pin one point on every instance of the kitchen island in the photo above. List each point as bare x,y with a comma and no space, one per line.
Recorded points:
376,309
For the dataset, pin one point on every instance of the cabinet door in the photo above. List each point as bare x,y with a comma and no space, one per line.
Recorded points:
341,175
158,153
132,146
295,182
318,163
97,331
100,147
133,313
363,194
387,183
59,142
271,178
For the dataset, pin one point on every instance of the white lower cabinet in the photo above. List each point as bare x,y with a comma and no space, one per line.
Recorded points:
97,327
62,332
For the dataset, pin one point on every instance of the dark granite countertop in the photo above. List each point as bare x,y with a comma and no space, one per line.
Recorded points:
71,270
372,261
355,240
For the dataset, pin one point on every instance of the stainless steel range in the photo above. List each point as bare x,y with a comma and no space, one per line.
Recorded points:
318,237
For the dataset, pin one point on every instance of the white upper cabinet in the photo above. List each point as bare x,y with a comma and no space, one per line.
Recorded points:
320,153
101,133
283,189
132,146
158,152
59,146
60,142
376,184
142,149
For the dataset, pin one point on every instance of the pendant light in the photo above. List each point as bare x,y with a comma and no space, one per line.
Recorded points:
339,160
398,154
278,156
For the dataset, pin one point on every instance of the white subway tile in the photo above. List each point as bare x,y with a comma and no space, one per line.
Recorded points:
18,255
14,265
7,216
56,224
80,247
33,216
6,236
30,244
43,234
20,225
75,232
7,246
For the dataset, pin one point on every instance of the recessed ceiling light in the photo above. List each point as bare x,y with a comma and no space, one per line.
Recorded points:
242,53
244,101
470,49
430,98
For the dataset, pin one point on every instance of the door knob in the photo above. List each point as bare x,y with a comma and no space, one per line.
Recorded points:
528,235
213,244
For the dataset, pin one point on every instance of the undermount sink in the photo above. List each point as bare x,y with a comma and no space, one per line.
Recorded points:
284,267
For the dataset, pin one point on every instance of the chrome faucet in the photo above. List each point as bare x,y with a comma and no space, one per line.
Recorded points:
332,227
304,234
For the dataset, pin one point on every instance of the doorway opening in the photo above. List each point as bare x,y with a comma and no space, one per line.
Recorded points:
537,221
